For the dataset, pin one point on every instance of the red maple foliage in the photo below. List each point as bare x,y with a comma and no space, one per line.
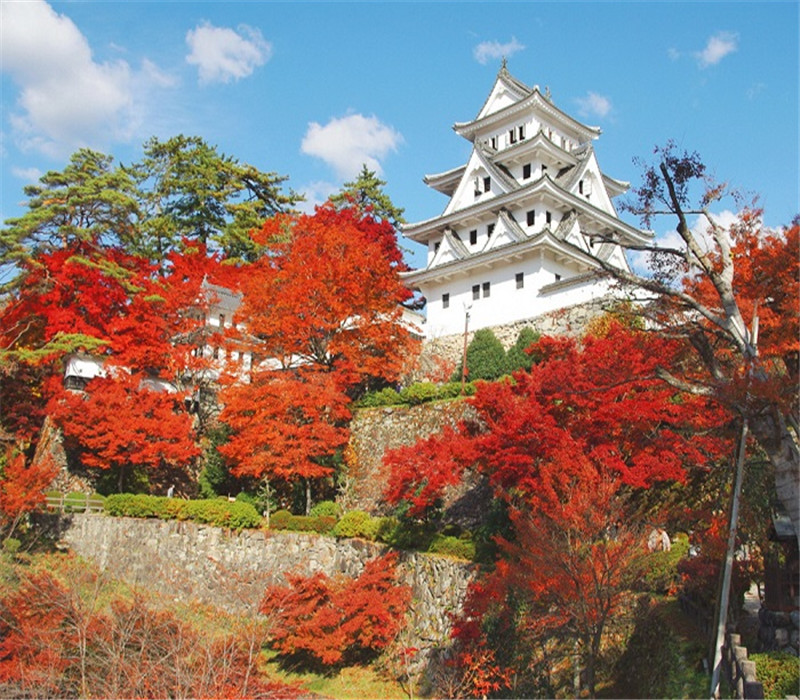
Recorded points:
119,423
329,294
600,399
284,423
22,488
558,445
331,621
60,640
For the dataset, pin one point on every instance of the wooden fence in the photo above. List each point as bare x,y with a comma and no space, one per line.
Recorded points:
74,503
740,672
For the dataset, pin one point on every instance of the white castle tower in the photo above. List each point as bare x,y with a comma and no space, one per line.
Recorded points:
525,218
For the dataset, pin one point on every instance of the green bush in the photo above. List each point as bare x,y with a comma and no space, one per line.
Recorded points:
284,520
234,515
660,569
421,392
452,547
326,508
384,397
280,519
486,358
357,523
779,673
517,358
217,512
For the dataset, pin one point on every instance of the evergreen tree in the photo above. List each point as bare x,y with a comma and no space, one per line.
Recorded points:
91,201
518,357
192,191
486,358
367,195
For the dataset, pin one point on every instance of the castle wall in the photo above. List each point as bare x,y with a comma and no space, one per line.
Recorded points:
186,561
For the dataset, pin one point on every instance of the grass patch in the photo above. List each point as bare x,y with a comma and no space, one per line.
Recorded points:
664,654
348,683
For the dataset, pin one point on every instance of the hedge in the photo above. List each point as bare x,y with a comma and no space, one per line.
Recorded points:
284,520
218,512
779,673
415,394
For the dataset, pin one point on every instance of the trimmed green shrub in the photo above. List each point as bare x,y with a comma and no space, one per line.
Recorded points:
779,673
384,397
284,520
217,512
421,392
326,508
357,523
452,546
280,519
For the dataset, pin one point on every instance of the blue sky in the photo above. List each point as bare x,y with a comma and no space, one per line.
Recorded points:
312,90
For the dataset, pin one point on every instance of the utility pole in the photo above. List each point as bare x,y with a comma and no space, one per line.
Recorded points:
467,308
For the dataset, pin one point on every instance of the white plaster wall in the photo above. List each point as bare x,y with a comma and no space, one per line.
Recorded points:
506,304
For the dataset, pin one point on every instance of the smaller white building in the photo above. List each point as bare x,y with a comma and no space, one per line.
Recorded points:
527,216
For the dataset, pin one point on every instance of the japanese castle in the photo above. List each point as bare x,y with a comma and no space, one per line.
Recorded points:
527,216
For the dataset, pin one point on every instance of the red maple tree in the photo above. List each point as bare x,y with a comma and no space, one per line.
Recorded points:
120,423
22,488
284,424
560,445
322,311
341,619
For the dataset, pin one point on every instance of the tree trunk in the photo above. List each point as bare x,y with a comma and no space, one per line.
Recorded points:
781,446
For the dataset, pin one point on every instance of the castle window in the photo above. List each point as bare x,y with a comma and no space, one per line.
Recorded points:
521,131
487,184
487,288
476,291
436,246
558,277
544,169
512,136
520,279
526,171
548,217
446,300
489,230
494,142
473,237
530,217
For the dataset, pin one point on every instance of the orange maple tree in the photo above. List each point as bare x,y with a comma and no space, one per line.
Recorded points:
560,446
284,423
322,310
22,488
118,424
333,621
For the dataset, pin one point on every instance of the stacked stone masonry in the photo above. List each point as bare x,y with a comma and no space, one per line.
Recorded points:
569,321
184,561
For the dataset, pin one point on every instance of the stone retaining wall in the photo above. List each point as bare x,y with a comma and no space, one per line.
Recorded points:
373,431
185,561
570,321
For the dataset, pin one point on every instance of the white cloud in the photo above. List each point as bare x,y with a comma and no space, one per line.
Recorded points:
487,50
594,105
222,54
348,143
717,47
673,54
66,99
30,175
